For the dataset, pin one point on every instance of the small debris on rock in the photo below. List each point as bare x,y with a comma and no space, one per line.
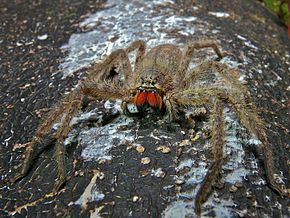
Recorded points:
135,198
196,137
158,173
42,37
104,161
184,143
233,189
79,173
18,145
249,194
144,173
239,184
219,14
179,182
122,127
145,160
140,149
164,149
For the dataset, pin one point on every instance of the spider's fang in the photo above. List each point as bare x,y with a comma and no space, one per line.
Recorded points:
150,97
154,100
140,98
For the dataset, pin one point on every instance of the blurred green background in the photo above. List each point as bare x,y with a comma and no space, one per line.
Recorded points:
281,8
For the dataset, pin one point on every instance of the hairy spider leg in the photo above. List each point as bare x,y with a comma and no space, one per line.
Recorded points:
246,111
71,104
121,55
60,152
36,146
140,45
248,117
217,147
190,50
221,69
101,72
105,90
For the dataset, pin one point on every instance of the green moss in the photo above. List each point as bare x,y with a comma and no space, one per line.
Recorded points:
280,7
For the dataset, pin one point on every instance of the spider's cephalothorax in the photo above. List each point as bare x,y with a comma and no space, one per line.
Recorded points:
160,80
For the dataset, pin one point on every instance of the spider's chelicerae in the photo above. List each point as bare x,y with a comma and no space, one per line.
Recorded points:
161,83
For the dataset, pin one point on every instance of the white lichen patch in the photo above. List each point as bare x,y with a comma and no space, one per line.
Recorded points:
185,163
234,148
158,173
235,65
219,14
91,192
98,141
115,106
178,208
96,212
246,42
221,207
233,171
85,116
122,22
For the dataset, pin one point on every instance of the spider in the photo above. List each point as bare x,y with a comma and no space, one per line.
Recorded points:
160,83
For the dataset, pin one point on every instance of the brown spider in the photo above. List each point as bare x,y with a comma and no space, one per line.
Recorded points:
162,83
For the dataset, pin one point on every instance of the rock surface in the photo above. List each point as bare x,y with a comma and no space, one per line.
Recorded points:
149,168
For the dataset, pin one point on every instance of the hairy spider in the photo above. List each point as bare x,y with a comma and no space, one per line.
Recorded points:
161,83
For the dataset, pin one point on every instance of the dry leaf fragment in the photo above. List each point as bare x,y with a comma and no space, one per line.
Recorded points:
145,160
184,143
140,149
164,149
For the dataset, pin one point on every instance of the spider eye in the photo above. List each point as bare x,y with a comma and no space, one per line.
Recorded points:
142,80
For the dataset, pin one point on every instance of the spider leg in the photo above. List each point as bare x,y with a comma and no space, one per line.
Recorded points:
140,45
60,153
37,144
107,91
110,91
70,106
217,144
247,115
190,49
101,72
34,149
122,56
93,85
170,106
104,91
222,70
217,141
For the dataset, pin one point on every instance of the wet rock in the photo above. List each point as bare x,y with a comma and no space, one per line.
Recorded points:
43,53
